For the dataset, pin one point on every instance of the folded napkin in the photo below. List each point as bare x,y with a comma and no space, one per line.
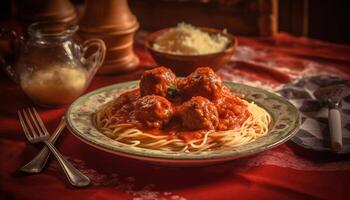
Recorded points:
314,133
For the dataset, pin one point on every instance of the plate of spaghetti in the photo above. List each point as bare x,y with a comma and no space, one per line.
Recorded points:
194,120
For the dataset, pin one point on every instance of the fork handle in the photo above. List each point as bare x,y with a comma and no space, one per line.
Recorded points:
335,129
38,163
75,177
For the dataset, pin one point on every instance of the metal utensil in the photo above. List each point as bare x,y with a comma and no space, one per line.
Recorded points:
332,96
40,134
38,163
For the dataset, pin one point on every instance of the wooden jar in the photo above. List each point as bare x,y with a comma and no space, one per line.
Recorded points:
113,22
29,11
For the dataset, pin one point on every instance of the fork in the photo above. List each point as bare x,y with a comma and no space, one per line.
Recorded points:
38,163
39,133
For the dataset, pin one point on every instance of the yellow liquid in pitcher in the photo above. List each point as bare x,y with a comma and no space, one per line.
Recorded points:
56,85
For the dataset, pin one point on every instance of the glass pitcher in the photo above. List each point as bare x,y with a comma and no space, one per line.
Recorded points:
51,67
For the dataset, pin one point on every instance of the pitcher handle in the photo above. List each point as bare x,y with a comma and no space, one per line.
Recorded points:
16,41
95,60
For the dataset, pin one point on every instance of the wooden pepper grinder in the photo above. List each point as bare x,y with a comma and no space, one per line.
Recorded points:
113,22
29,11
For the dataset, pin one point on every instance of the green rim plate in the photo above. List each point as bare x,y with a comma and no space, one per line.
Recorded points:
285,123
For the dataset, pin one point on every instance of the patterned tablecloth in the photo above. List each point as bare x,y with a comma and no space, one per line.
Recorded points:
286,172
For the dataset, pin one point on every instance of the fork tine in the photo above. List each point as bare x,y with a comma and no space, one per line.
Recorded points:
29,124
24,127
35,121
41,123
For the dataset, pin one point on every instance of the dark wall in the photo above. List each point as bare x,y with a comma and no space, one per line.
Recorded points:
327,20
330,20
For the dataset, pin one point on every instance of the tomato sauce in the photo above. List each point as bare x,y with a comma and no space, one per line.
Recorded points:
187,110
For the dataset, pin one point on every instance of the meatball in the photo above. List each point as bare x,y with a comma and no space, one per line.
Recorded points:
126,99
232,112
153,111
123,106
157,81
202,82
199,113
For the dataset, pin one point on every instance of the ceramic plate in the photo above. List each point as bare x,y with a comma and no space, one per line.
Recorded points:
285,123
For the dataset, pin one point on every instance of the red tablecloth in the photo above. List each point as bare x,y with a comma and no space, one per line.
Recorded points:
286,172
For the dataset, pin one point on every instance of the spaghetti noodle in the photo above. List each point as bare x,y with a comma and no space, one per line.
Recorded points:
204,119
255,126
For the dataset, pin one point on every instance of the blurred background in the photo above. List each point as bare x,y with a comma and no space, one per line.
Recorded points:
325,20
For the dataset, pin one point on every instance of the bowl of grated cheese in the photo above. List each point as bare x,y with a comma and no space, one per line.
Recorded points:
184,48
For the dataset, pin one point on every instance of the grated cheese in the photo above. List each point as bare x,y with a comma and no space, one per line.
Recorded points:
54,85
186,39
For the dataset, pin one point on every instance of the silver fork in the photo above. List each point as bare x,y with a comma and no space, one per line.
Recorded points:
39,133
38,163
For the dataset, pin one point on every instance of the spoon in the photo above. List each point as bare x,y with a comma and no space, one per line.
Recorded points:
332,96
